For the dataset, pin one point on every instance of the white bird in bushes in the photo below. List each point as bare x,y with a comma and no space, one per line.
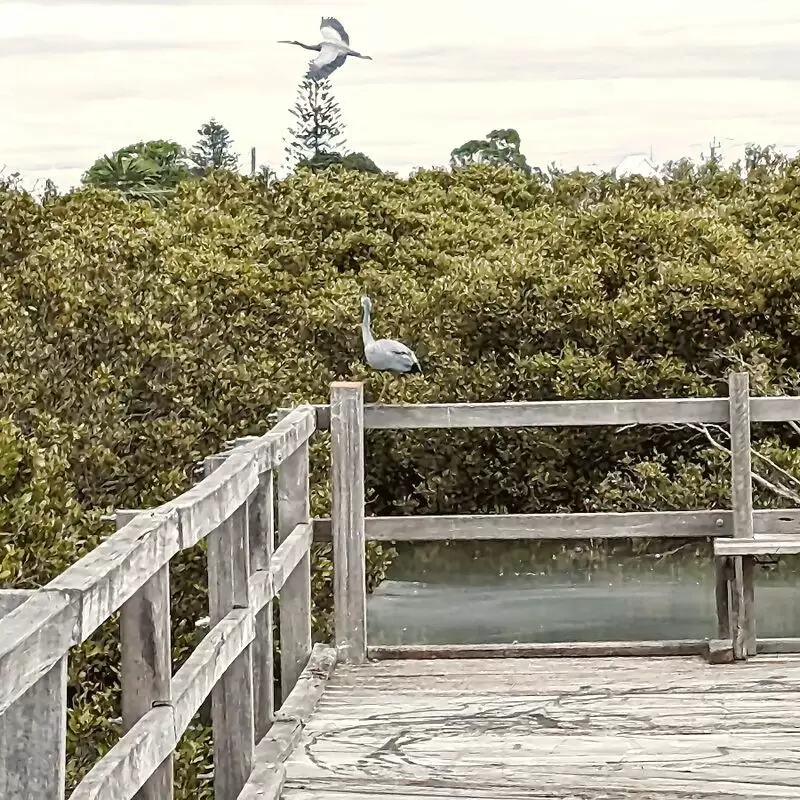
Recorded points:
385,355
333,51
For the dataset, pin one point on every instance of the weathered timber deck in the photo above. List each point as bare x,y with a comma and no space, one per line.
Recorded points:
664,728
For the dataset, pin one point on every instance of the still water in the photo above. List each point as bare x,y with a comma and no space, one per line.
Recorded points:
469,593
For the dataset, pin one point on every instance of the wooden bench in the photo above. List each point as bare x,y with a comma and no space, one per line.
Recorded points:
735,558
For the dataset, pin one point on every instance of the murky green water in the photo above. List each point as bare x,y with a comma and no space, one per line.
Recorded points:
468,593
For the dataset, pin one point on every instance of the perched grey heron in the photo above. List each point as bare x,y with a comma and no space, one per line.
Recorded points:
385,355
332,51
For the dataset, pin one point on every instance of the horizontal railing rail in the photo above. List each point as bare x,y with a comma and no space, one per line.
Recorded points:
589,525
567,413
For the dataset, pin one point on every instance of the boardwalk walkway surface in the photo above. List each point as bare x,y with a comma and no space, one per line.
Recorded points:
589,728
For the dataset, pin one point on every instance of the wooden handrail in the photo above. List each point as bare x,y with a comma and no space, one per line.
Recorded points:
556,413
129,572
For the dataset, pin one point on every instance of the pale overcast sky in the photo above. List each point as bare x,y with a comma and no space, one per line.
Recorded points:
584,82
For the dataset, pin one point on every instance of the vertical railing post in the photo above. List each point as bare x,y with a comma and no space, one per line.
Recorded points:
232,716
347,521
743,623
33,731
146,661
294,508
262,544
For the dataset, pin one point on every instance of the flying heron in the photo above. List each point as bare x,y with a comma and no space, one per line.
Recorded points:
333,51
385,355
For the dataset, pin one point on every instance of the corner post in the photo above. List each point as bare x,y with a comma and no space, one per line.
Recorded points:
33,730
743,623
232,713
347,521
146,661
294,508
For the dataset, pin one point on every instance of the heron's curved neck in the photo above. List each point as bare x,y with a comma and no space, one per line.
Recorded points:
366,333
300,44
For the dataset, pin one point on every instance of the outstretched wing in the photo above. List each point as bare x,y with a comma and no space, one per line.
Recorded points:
329,59
333,31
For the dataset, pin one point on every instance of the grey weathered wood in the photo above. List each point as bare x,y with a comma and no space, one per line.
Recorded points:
33,730
599,525
758,546
722,583
275,446
146,661
204,507
566,412
675,647
117,568
599,729
295,595
209,661
123,771
720,651
783,645
266,781
262,543
742,609
347,521
232,702
303,699
33,638
288,557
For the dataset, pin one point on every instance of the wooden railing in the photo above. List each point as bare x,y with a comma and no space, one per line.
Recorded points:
347,419
232,509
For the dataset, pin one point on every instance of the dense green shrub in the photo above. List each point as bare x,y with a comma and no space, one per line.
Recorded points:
136,340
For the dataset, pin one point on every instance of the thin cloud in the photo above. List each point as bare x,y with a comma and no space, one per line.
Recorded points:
71,45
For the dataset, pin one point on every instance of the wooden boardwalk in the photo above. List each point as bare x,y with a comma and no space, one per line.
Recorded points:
590,720
588,728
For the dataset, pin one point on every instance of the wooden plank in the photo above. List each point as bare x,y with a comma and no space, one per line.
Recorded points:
33,731
261,517
209,661
597,525
267,783
722,599
303,699
33,639
267,778
566,412
205,506
742,610
292,551
123,771
757,546
775,409
295,595
646,728
117,568
420,790
720,651
284,439
232,702
347,525
146,659
677,647
786,644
